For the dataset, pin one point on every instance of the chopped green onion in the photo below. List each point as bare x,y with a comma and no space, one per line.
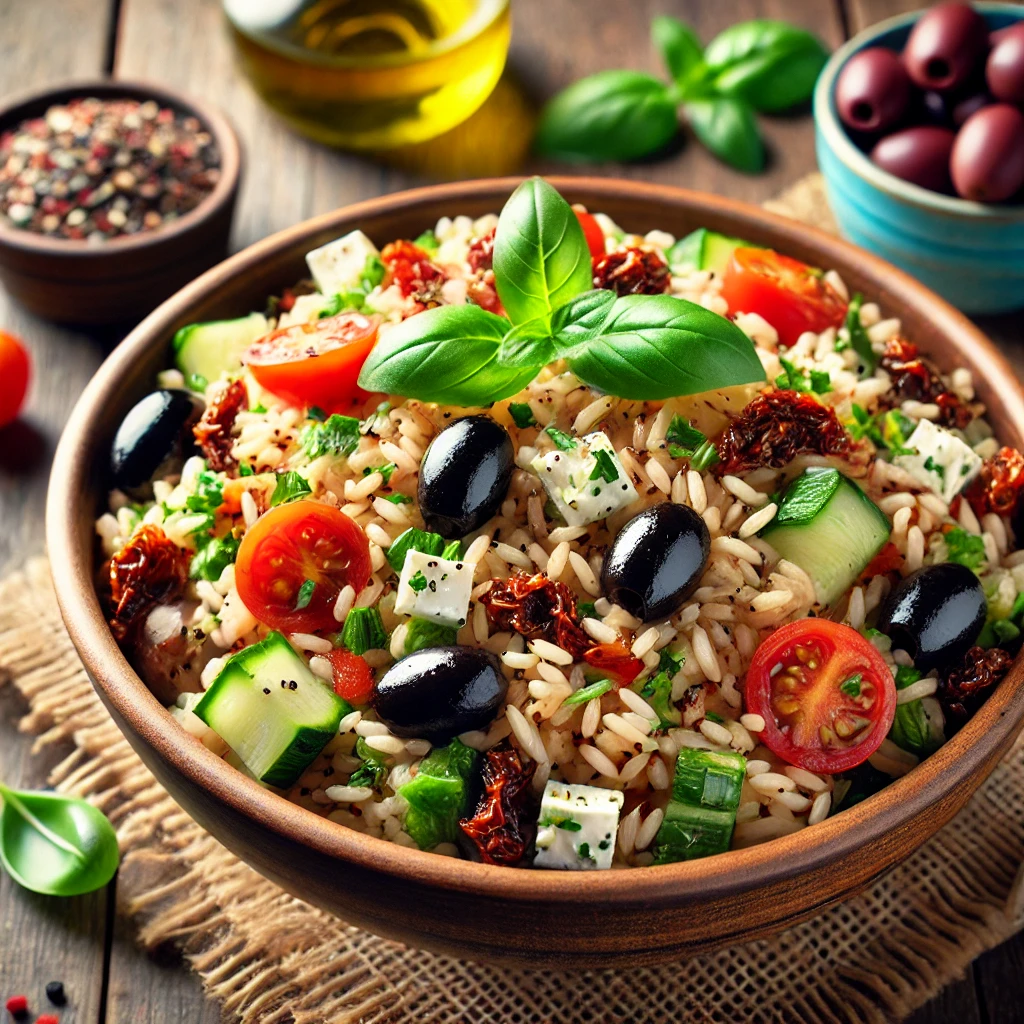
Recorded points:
398,499
452,551
364,631
522,414
683,439
706,455
604,467
563,442
585,693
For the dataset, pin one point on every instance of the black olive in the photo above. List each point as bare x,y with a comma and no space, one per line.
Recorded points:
464,476
656,561
935,614
156,432
439,692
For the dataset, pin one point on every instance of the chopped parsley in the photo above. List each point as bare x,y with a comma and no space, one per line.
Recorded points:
522,414
385,471
208,496
244,469
683,440
290,486
888,430
706,455
794,379
859,340
373,771
563,442
604,468
568,824
373,273
398,499
337,435
213,558
851,687
670,661
712,717
965,548
584,851
418,581
657,691
414,540
934,467
905,675
305,595
587,609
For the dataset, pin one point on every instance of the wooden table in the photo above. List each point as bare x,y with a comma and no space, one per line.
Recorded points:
183,43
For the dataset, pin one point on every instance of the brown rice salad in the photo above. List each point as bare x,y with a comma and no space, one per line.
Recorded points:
484,606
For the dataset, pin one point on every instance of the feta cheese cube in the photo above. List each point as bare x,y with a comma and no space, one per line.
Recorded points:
576,827
434,588
943,463
587,482
338,266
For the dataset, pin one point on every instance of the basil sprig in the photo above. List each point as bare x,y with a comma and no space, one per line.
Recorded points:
761,65
636,346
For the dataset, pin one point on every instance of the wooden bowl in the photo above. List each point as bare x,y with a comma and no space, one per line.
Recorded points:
73,281
477,911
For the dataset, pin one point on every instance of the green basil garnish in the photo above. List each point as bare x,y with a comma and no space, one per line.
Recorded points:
678,45
726,126
541,258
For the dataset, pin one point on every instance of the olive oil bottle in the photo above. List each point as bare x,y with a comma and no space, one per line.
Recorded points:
372,74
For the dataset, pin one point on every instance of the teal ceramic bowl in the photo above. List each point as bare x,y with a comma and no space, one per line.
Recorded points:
972,254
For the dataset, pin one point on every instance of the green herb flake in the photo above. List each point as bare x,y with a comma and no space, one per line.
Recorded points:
398,499
364,631
588,609
859,339
604,468
413,540
670,662
522,415
704,457
569,825
428,241
385,471
421,633
584,851
905,675
585,693
712,717
934,467
794,379
563,442
452,551
290,486
684,440
851,687
965,548
305,595
210,561
418,581
337,435
314,412
245,469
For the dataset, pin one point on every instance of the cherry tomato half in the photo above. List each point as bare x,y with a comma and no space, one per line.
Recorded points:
591,231
316,363
827,697
14,374
295,560
353,677
790,295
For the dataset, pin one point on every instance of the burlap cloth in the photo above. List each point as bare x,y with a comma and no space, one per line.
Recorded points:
270,959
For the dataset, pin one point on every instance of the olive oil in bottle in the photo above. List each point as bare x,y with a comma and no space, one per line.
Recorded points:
372,74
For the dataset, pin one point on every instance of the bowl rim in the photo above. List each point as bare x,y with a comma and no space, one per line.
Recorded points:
479,22
13,111
826,119
772,863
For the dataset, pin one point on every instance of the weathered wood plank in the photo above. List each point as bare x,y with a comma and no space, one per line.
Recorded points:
44,938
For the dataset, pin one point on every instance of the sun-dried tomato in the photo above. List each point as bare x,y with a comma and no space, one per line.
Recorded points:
998,485
502,825
778,426
213,431
915,379
411,268
539,609
481,252
963,689
149,569
632,272
615,661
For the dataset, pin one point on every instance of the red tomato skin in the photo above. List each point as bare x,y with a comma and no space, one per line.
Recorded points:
787,293
846,643
277,556
15,371
328,378
353,677
591,231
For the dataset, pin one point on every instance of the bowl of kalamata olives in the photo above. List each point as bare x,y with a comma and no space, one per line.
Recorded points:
920,138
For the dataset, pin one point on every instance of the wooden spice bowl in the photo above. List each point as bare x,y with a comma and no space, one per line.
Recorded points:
123,278
483,912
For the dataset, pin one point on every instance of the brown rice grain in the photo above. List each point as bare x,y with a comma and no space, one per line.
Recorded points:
659,476
525,731
742,490
770,783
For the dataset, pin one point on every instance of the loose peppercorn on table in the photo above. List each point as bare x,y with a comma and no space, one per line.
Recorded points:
83,942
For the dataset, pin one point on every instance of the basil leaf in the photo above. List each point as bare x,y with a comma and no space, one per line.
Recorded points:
448,354
290,486
660,346
528,345
679,47
770,64
580,319
541,258
727,128
613,115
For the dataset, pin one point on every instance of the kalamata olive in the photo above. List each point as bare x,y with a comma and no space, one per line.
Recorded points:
156,433
1004,70
656,561
945,46
873,90
465,475
969,105
987,162
920,155
935,614
439,692
935,109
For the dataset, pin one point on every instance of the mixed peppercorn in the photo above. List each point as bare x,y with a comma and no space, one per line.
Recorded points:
95,169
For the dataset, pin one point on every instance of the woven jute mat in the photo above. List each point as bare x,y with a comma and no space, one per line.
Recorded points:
270,959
